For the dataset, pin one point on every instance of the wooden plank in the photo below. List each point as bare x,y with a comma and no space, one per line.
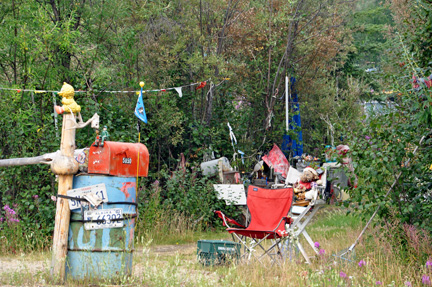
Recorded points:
62,218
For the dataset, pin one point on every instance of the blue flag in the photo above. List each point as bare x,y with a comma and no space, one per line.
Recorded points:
139,109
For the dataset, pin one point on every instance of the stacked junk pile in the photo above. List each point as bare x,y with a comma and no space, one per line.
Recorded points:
296,193
274,171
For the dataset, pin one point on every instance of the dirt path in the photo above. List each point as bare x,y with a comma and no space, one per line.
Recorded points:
30,264
172,249
23,264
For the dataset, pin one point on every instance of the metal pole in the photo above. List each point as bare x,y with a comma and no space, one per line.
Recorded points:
286,103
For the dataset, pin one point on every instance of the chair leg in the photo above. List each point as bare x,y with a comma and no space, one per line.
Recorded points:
303,252
289,250
309,240
275,248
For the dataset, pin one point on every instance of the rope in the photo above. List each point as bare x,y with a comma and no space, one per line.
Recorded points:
55,115
104,91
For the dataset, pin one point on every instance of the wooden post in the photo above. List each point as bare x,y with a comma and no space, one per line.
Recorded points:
62,218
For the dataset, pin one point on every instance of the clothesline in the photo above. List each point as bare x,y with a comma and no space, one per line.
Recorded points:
178,89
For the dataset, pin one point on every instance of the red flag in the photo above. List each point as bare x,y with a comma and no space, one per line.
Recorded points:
202,85
277,160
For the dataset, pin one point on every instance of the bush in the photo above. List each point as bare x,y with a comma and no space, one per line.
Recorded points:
383,148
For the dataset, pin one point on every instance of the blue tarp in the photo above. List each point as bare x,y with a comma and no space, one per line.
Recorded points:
294,145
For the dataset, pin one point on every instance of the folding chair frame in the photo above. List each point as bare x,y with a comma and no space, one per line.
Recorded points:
250,247
299,227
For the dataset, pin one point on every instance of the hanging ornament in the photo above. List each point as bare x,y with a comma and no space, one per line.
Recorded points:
201,85
140,109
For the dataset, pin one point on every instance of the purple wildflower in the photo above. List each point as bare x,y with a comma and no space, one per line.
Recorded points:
429,264
408,284
11,215
53,198
361,263
1,219
317,245
378,283
367,137
321,252
342,274
35,196
426,280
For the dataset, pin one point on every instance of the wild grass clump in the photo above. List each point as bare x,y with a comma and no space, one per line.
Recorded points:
16,237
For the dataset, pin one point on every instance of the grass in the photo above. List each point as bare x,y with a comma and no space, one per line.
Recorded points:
172,261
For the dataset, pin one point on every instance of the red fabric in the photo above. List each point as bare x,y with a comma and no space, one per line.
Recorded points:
229,220
268,208
201,85
277,160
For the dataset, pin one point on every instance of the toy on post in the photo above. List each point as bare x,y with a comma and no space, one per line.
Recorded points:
67,93
100,139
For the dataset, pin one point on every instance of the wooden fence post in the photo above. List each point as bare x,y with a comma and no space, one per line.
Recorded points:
62,218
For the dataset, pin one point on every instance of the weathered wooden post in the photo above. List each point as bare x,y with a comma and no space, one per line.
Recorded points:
65,167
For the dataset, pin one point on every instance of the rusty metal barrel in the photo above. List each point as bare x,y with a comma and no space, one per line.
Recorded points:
104,211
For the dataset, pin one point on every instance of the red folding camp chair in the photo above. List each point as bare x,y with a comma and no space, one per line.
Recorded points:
269,210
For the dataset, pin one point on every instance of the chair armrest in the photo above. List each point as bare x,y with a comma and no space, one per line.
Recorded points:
227,220
287,219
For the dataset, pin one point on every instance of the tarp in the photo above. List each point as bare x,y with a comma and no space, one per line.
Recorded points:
277,160
294,145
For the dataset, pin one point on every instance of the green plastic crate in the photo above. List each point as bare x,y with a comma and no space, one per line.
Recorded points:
217,252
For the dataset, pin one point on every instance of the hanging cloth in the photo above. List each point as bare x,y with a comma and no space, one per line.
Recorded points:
232,136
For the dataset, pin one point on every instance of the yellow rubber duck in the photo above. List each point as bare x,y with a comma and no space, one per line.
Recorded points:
69,105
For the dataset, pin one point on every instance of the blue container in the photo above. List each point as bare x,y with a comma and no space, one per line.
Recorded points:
103,253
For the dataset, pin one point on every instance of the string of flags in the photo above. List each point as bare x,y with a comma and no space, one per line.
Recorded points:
199,85
139,109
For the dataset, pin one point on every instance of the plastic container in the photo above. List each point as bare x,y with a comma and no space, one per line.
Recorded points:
217,252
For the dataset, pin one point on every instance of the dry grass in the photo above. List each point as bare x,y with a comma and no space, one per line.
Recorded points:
176,264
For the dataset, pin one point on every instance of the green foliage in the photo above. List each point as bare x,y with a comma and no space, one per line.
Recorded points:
178,205
191,193
384,147
113,45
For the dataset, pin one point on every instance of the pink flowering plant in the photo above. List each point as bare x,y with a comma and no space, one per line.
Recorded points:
10,216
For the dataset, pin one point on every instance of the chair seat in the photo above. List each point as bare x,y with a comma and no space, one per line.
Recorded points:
258,234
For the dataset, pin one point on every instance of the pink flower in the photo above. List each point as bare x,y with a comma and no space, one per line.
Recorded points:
408,284
426,280
53,198
378,283
321,252
1,219
342,274
35,196
361,263
317,245
429,264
